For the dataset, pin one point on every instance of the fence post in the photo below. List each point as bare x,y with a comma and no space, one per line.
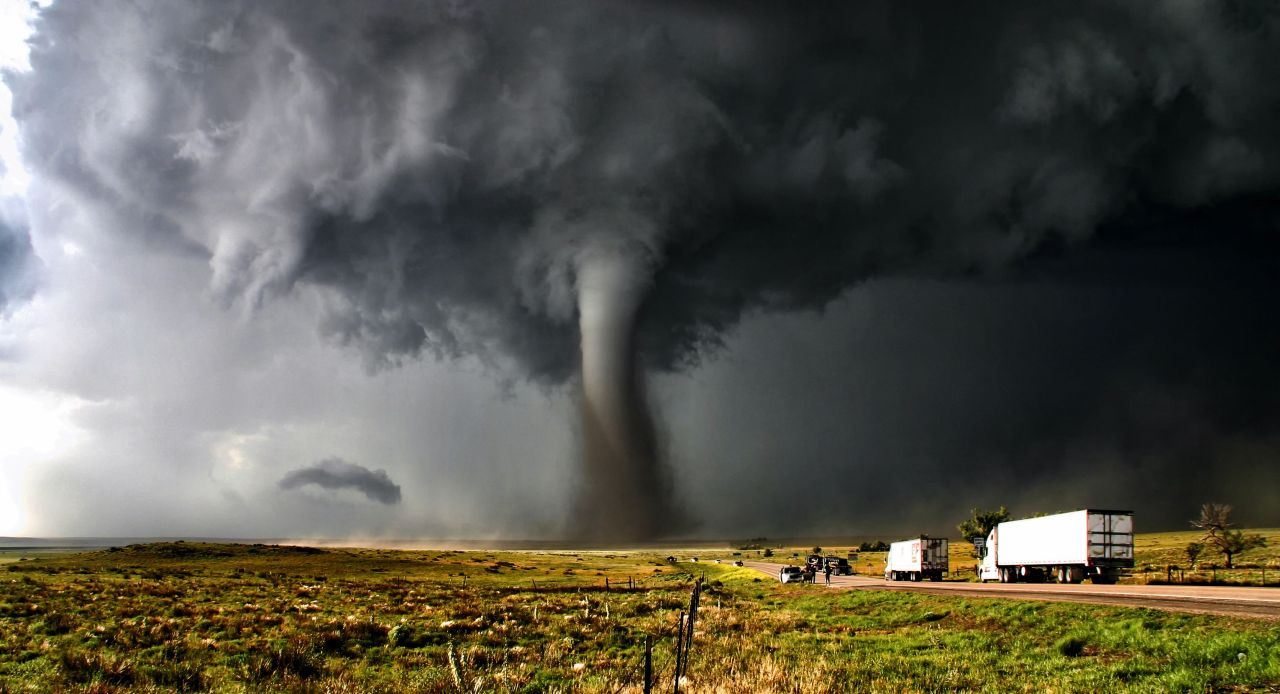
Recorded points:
675,688
648,664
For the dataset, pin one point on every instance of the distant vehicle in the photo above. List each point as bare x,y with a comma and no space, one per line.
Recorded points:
717,561
693,559
671,559
917,559
738,562
791,574
1068,547
839,566
814,560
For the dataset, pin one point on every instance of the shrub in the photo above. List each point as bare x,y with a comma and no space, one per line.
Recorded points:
298,657
406,636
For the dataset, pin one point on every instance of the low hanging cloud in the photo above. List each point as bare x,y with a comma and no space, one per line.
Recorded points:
336,473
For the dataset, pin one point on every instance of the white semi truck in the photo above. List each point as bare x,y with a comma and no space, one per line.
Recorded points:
1068,547
917,559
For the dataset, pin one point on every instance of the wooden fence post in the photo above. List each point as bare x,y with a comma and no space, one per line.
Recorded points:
648,664
675,687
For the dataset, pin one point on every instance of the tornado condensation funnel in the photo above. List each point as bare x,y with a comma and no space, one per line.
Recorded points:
620,497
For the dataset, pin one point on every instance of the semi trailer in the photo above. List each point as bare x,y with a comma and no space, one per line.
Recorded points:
917,559
1066,547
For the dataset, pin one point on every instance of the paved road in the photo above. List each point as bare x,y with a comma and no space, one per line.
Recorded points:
1225,600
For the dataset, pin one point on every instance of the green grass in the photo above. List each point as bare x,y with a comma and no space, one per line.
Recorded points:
238,618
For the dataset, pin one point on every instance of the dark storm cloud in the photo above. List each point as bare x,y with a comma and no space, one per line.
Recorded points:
448,174
446,167
335,473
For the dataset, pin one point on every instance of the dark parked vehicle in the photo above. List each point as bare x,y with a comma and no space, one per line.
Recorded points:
839,566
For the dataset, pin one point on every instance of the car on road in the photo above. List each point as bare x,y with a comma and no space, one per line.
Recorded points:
791,574
737,562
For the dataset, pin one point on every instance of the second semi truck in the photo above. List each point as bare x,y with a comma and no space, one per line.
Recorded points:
1068,547
916,559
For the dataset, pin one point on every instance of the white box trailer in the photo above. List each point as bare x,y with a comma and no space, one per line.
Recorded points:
917,559
1069,547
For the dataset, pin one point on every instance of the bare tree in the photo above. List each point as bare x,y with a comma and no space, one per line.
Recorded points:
1215,521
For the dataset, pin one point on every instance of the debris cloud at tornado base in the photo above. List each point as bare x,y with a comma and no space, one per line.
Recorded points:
560,189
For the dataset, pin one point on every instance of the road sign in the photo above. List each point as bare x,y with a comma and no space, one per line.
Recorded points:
978,542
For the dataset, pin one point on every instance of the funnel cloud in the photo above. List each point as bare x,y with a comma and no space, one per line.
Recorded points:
583,195
336,473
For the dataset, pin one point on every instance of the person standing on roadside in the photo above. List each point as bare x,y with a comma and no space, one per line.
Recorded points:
826,573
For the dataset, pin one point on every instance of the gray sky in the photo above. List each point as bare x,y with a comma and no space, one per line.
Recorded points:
276,273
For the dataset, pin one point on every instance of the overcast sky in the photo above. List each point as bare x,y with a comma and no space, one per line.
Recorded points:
270,270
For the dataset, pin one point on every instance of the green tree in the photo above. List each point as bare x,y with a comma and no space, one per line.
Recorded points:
768,552
1194,550
816,550
1215,521
980,522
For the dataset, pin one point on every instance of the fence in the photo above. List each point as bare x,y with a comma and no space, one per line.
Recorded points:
1212,574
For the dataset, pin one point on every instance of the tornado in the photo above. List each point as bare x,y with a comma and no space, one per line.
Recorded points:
620,496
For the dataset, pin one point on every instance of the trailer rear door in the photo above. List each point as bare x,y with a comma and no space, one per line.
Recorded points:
1110,535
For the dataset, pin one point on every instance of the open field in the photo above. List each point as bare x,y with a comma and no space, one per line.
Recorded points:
189,616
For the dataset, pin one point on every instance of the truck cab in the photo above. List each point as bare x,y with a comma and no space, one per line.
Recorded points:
988,571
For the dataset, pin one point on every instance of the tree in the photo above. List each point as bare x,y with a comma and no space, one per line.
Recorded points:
1233,542
1215,521
980,523
816,550
768,552
1194,550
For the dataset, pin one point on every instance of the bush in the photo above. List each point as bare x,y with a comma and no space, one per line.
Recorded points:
407,636
297,656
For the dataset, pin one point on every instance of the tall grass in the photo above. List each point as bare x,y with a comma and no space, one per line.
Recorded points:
248,619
